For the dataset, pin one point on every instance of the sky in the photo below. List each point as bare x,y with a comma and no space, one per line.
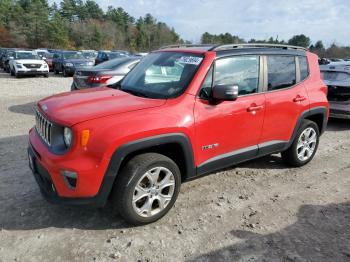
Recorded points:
326,20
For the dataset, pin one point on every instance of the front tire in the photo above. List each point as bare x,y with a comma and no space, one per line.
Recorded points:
65,74
304,146
146,188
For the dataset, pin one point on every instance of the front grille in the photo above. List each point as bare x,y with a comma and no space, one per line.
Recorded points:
32,65
43,127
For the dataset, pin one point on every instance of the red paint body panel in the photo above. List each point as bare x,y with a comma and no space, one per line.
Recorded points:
115,118
228,124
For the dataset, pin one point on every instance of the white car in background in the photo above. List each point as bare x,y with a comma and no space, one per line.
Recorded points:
28,63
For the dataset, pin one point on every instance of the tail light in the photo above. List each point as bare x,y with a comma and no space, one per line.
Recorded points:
98,79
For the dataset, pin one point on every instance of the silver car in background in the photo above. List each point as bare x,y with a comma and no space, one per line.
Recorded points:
104,74
337,78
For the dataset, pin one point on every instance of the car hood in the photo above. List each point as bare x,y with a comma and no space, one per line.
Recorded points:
29,61
78,106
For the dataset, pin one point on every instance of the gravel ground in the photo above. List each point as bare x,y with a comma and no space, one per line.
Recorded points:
257,211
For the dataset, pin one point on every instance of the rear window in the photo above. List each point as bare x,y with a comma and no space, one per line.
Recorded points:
110,64
281,72
304,69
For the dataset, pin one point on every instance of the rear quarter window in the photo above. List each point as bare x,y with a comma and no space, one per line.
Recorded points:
281,72
304,68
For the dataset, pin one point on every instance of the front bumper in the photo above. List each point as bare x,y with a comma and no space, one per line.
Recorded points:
93,186
32,72
70,70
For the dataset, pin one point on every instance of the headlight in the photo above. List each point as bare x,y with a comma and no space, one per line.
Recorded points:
18,65
67,136
68,64
45,65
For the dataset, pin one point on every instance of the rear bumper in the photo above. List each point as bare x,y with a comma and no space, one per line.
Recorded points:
340,110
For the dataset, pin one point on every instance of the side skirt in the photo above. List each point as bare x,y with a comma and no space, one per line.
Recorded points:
239,156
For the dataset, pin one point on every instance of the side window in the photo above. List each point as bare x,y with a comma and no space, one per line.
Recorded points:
304,69
281,72
205,90
242,71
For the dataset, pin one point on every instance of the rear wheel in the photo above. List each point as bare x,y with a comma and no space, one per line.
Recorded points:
147,188
304,146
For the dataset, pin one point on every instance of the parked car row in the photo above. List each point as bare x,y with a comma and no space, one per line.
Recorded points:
43,61
19,62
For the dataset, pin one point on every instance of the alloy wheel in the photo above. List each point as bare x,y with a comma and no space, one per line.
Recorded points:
306,144
153,192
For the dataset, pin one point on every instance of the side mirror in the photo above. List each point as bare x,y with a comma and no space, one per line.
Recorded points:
11,57
225,92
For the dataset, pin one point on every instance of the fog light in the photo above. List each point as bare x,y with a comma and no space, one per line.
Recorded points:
70,178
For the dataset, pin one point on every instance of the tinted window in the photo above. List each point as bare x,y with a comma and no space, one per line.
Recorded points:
72,55
112,63
304,69
281,72
242,71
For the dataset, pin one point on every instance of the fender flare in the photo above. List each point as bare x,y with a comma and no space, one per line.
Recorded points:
313,111
126,149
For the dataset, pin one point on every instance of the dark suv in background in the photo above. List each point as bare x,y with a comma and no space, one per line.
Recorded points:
337,77
68,61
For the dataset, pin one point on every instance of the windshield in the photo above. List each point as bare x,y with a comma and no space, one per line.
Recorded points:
110,64
26,55
42,53
89,55
162,74
49,55
73,55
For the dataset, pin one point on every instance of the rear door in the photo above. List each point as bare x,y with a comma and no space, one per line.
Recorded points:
228,130
286,99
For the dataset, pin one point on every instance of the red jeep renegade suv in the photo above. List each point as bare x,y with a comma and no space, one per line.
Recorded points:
182,112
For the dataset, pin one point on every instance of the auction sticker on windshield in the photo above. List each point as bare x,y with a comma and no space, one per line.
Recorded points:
190,60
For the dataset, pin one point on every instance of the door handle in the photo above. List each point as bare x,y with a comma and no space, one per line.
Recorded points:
254,108
299,98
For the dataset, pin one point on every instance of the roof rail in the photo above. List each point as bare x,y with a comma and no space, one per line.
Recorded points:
186,45
255,45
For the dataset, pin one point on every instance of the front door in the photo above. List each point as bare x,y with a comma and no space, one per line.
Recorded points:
228,130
